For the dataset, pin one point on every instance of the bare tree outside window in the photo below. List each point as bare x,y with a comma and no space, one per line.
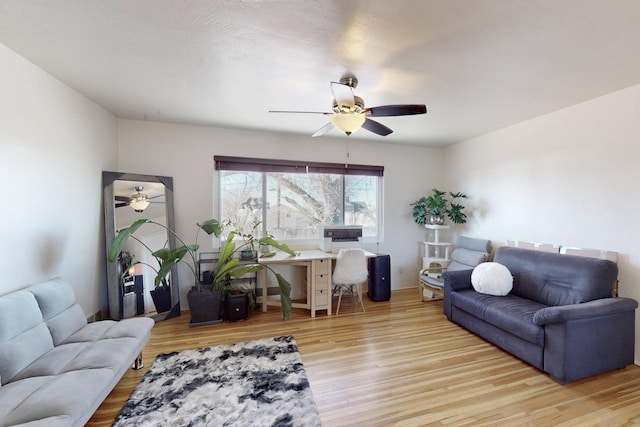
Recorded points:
296,204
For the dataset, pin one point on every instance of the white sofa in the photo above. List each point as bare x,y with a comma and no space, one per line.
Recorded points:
55,368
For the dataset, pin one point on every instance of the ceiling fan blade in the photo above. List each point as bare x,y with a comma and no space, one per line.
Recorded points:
122,198
119,205
155,197
299,112
343,95
375,127
396,110
324,129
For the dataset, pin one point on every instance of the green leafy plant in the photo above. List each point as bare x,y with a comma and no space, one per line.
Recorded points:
166,257
231,266
228,266
439,203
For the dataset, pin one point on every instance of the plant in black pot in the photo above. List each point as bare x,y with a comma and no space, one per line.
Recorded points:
209,298
434,208
161,294
204,299
232,264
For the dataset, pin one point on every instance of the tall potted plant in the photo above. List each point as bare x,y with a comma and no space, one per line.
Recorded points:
232,264
433,209
208,297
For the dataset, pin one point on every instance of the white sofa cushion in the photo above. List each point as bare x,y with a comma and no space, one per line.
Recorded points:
492,278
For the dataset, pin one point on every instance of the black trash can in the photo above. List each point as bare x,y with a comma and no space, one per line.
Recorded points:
380,278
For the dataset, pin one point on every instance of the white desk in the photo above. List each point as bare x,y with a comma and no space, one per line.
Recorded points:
318,279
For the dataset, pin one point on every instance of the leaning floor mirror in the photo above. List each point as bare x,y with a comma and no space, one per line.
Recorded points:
131,290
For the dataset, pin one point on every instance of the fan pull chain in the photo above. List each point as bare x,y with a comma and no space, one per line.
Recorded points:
346,160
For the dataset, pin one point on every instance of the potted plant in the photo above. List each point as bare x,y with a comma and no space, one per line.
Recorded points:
232,264
434,208
248,249
207,307
161,294
204,300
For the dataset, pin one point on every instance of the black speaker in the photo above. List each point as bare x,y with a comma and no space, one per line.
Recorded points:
380,278
236,307
139,294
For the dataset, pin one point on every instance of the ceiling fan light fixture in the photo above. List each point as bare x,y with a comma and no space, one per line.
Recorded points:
348,122
139,202
139,205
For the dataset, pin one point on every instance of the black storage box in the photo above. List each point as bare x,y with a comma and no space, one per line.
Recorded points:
236,307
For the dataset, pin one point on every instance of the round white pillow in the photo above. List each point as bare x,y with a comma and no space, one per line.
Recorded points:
492,278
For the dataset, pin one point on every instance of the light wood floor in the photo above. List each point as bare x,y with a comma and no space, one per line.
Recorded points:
403,364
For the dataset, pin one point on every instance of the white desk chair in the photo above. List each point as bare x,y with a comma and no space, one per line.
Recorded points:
349,273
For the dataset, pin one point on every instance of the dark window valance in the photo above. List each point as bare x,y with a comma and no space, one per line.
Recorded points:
293,166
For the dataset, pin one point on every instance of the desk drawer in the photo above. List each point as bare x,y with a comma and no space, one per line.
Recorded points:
322,282
321,298
322,266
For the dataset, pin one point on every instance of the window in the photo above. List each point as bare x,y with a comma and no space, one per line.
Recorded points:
291,199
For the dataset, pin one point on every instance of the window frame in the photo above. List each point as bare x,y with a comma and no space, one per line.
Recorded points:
251,164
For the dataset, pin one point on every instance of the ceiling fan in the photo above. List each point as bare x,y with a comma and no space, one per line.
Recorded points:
138,201
349,113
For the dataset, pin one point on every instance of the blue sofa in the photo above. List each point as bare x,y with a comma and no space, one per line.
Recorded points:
559,317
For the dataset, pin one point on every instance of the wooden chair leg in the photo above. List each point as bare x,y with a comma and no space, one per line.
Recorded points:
339,301
360,297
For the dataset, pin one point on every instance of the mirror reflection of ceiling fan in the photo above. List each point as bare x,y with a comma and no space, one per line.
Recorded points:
349,113
138,201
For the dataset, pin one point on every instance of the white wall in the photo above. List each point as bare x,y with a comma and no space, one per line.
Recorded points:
569,177
186,153
54,144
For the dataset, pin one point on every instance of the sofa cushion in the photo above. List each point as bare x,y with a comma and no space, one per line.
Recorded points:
109,353
55,400
23,336
565,279
509,313
474,244
463,259
54,362
491,278
137,327
60,310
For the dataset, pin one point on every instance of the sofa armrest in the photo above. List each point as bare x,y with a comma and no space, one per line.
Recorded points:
457,280
595,308
589,338
454,281
430,270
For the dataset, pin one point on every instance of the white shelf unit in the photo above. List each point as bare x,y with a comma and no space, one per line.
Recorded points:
436,252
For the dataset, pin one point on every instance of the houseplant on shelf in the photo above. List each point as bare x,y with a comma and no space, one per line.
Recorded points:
434,208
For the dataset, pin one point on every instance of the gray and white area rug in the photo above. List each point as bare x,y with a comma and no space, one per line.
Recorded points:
254,383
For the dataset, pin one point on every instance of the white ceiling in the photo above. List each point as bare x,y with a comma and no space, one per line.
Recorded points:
477,65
